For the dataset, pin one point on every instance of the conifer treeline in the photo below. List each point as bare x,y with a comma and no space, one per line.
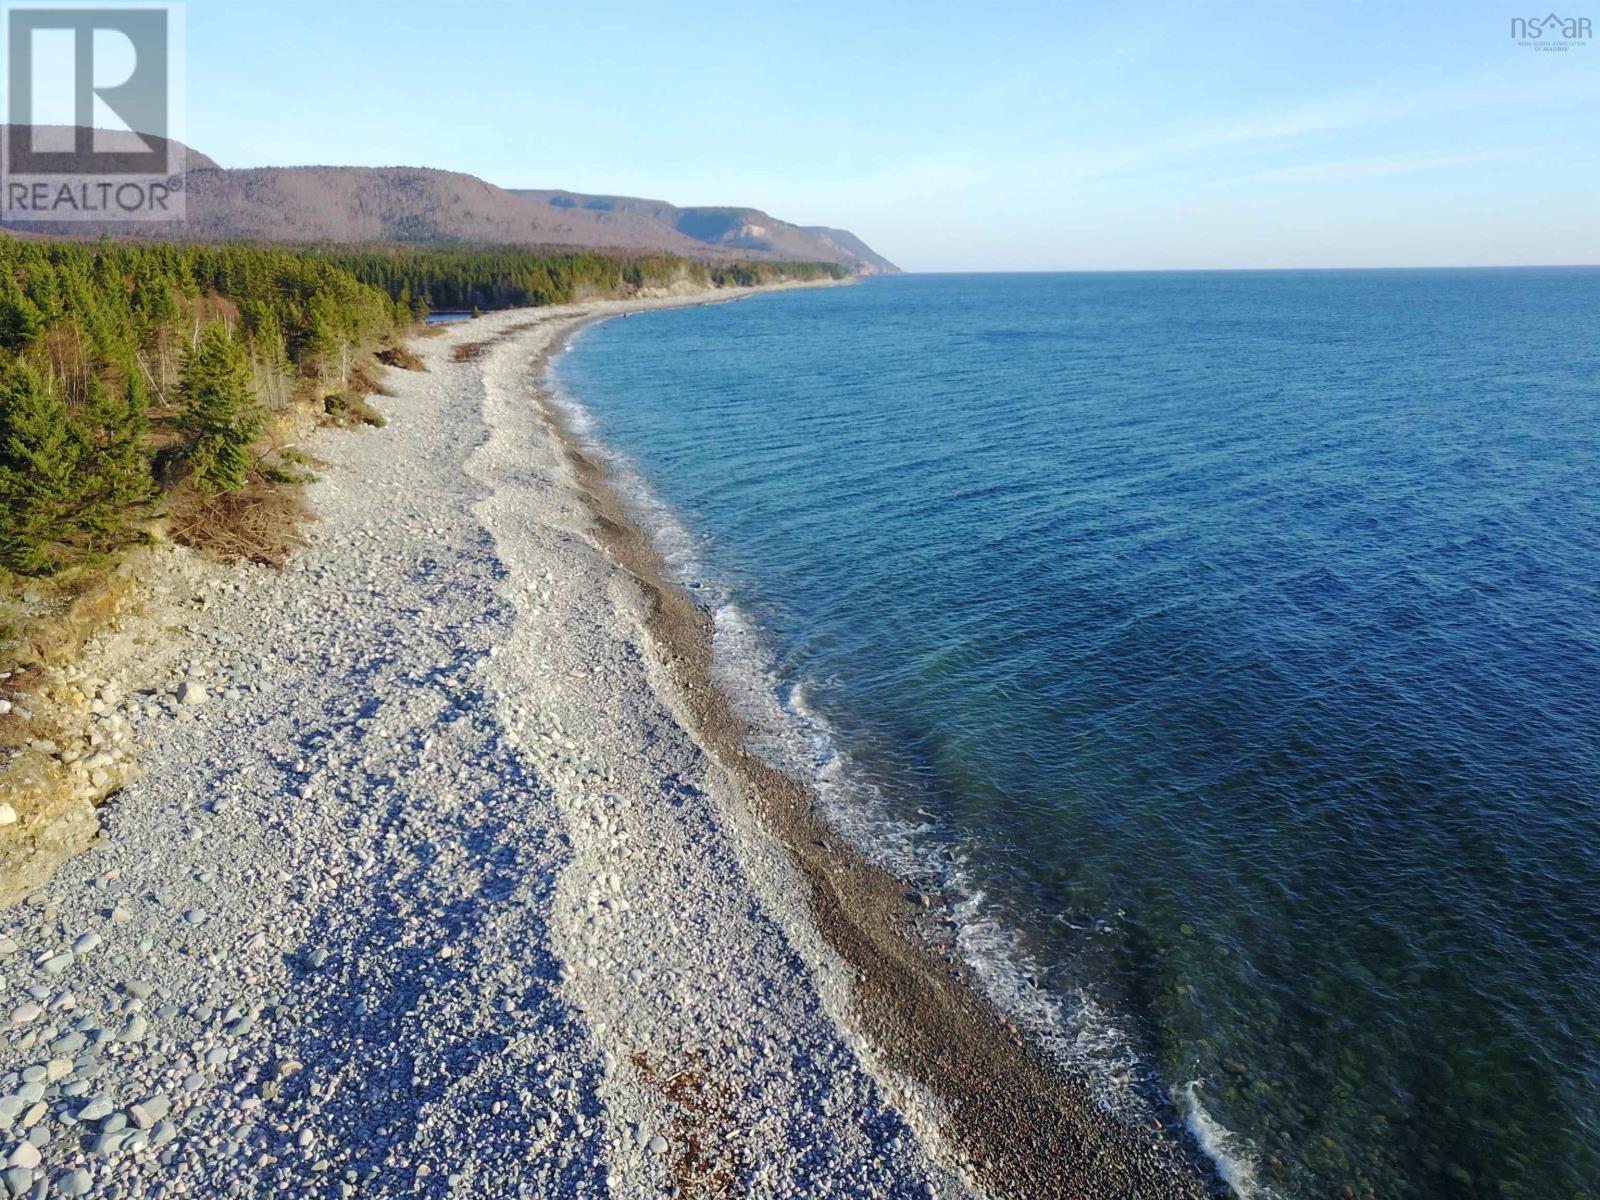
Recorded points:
126,368
465,278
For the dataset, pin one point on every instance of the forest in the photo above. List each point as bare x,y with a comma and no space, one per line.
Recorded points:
134,377
466,278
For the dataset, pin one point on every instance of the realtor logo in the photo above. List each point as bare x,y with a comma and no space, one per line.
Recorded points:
92,95
1551,32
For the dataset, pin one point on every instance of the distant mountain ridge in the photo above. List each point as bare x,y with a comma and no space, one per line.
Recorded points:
746,230
352,205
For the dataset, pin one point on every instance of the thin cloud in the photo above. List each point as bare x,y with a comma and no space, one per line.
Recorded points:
1392,164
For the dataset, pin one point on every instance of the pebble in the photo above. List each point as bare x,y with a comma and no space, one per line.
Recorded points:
191,693
134,1029
25,1155
8,815
147,1112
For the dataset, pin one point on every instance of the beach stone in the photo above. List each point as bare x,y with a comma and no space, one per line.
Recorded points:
85,943
658,1144
26,1155
147,1112
8,815
191,692
57,963
75,1183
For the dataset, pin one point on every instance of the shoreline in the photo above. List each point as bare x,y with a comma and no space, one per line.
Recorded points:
456,879
1015,1120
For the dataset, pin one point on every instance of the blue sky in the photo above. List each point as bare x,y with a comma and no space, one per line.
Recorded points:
958,136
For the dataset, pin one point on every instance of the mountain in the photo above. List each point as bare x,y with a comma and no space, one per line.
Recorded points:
744,230
350,205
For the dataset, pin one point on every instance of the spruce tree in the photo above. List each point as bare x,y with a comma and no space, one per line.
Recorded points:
38,470
113,461
20,319
220,414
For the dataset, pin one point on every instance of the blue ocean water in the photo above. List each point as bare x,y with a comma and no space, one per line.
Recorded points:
1225,648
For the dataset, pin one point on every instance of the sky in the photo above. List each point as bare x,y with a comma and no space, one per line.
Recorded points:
958,136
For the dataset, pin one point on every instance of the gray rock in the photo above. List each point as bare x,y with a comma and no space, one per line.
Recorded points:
75,1183
190,692
135,1029
23,1014
25,1155
147,1112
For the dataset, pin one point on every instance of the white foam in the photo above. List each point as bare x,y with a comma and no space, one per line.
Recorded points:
792,734
1231,1154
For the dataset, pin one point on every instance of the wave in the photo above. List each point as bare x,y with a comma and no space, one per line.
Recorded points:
1232,1155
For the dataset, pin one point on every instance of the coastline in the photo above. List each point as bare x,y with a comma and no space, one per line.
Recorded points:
1013,1120
459,882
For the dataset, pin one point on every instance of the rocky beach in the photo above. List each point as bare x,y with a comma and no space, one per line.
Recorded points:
444,873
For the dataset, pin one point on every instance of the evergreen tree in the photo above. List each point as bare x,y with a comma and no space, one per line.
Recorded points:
113,476
20,319
38,464
220,415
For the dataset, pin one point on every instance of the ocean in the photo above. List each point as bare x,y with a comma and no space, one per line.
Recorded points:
1221,649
